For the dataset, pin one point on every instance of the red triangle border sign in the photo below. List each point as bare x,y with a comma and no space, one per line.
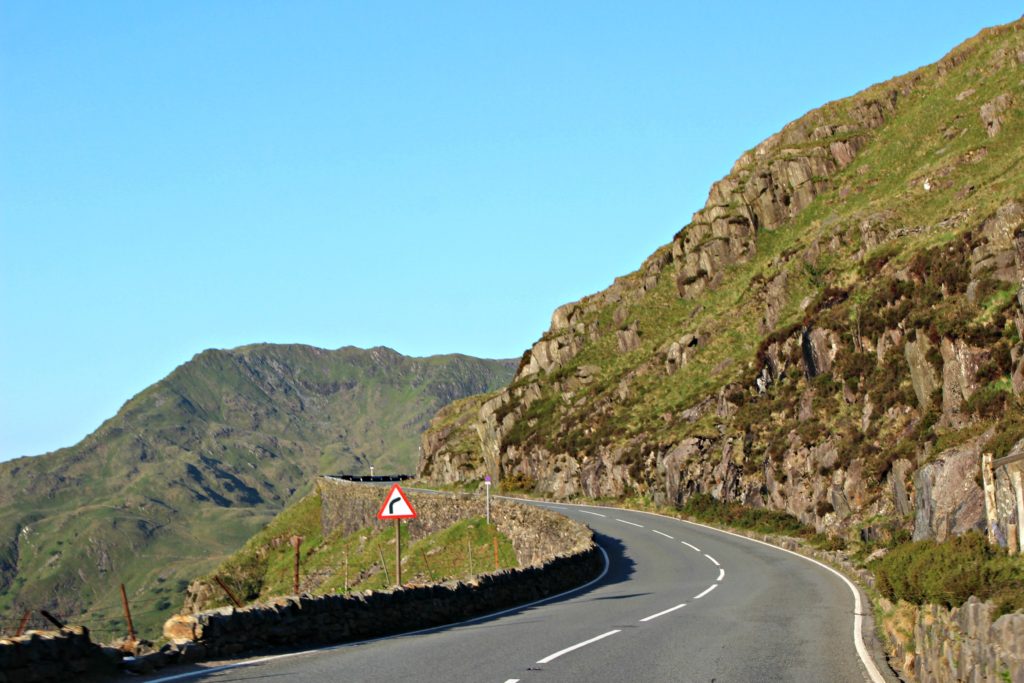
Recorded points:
391,501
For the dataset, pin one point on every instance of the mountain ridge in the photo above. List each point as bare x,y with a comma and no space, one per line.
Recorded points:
193,465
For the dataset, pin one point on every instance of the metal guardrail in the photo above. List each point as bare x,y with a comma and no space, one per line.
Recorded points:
371,478
1008,459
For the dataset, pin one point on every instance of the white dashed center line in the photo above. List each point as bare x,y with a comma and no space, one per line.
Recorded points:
662,533
712,559
596,514
629,523
577,646
721,574
512,680
688,545
662,613
698,597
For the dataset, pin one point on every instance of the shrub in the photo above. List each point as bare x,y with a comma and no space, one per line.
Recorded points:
989,401
706,508
1009,431
948,573
853,366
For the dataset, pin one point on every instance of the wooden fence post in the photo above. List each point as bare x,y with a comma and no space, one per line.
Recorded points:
297,543
387,574
127,615
426,563
24,622
224,587
52,619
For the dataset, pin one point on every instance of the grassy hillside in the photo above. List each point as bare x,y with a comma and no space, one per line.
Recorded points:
193,466
264,566
843,313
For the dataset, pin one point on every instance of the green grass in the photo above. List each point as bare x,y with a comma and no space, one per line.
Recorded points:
264,567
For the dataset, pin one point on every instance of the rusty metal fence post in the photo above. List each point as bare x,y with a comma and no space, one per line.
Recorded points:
127,615
227,590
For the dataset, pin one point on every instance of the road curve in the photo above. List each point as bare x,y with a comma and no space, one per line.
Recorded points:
679,602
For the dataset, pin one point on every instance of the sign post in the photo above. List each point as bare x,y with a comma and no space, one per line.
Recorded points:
487,488
397,507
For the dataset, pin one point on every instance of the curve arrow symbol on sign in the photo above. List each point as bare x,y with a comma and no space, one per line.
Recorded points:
396,505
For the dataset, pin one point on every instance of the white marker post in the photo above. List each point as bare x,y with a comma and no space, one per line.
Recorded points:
487,488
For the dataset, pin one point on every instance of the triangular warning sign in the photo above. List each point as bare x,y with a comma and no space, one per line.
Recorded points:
396,506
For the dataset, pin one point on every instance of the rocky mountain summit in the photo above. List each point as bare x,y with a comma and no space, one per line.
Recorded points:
197,463
836,334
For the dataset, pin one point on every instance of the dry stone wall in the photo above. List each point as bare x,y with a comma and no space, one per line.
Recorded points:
304,621
43,656
554,554
537,535
966,643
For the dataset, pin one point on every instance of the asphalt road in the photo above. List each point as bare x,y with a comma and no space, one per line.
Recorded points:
679,602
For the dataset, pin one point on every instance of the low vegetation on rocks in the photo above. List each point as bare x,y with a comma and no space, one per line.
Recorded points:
949,573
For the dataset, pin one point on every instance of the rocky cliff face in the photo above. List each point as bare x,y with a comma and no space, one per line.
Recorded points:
836,334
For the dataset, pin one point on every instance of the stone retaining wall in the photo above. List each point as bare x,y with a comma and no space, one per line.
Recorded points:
536,534
554,554
932,644
305,621
43,656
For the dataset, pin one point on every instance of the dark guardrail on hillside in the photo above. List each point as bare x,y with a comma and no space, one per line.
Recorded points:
371,477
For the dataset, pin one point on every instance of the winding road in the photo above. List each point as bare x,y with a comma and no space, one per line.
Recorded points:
678,602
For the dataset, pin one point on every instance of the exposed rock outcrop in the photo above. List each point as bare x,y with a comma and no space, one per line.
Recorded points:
949,499
992,113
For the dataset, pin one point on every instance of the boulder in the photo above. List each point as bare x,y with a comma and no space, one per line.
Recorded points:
992,113
628,339
959,378
947,497
922,373
819,349
182,628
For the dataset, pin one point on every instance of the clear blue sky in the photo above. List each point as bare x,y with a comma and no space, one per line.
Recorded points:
434,177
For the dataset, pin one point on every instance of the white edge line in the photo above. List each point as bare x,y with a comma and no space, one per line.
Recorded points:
629,523
712,559
690,545
664,612
577,646
261,660
713,587
858,607
663,534
721,574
